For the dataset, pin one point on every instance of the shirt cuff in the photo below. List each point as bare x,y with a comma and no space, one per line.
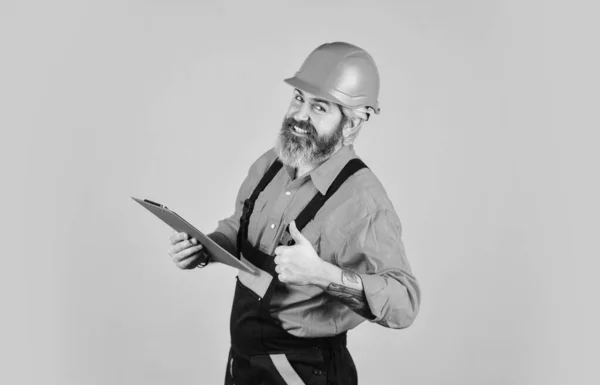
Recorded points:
372,285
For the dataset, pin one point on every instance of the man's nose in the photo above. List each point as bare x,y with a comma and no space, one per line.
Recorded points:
302,113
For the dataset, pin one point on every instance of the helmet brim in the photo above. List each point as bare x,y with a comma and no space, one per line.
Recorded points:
318,91
312,89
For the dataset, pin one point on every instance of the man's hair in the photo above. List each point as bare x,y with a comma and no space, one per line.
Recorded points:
352,114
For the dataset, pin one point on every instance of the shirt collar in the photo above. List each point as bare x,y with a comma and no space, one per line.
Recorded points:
324,174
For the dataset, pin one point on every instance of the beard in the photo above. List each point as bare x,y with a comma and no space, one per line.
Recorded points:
297,149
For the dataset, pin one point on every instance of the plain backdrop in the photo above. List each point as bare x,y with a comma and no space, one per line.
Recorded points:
486,144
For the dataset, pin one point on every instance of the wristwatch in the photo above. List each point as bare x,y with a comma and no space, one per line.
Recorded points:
205,261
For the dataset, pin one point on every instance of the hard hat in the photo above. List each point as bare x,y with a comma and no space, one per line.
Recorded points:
341,73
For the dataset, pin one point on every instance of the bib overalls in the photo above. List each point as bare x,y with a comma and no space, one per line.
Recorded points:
262,352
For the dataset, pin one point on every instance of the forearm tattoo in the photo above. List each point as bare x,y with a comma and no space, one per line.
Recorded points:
354,298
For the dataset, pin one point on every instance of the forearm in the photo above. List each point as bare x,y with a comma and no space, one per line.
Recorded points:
347,287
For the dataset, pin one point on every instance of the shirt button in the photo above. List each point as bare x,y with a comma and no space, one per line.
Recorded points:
288,193
272,225
318,372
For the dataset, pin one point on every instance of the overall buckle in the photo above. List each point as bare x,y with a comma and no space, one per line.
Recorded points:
247,209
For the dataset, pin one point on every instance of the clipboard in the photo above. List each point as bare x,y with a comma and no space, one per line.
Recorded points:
171,218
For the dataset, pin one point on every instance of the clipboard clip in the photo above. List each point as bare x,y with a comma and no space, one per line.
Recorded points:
155,204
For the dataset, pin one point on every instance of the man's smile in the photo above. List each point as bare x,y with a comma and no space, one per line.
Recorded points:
300,130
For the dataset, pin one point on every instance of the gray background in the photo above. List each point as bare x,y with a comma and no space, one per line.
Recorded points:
486,145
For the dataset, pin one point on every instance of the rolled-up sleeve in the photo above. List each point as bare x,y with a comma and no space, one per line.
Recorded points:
374,249
227,229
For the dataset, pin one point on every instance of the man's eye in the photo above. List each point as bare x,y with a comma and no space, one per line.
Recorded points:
298,98
319,108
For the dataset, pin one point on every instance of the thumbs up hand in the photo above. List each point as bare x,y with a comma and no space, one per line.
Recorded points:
298,264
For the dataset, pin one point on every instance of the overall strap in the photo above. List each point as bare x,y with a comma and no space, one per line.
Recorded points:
249,203
319,199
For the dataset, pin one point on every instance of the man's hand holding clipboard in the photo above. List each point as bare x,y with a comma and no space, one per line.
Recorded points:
186,252
190,247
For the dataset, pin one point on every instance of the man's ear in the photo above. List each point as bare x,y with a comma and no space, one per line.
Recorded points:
351,124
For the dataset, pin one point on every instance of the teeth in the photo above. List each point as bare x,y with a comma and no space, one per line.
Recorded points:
298,129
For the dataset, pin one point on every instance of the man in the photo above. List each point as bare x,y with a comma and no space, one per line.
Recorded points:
321,230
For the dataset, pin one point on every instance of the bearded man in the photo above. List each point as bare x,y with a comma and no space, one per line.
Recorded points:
320,230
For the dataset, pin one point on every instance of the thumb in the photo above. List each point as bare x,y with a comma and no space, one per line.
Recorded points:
296,234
